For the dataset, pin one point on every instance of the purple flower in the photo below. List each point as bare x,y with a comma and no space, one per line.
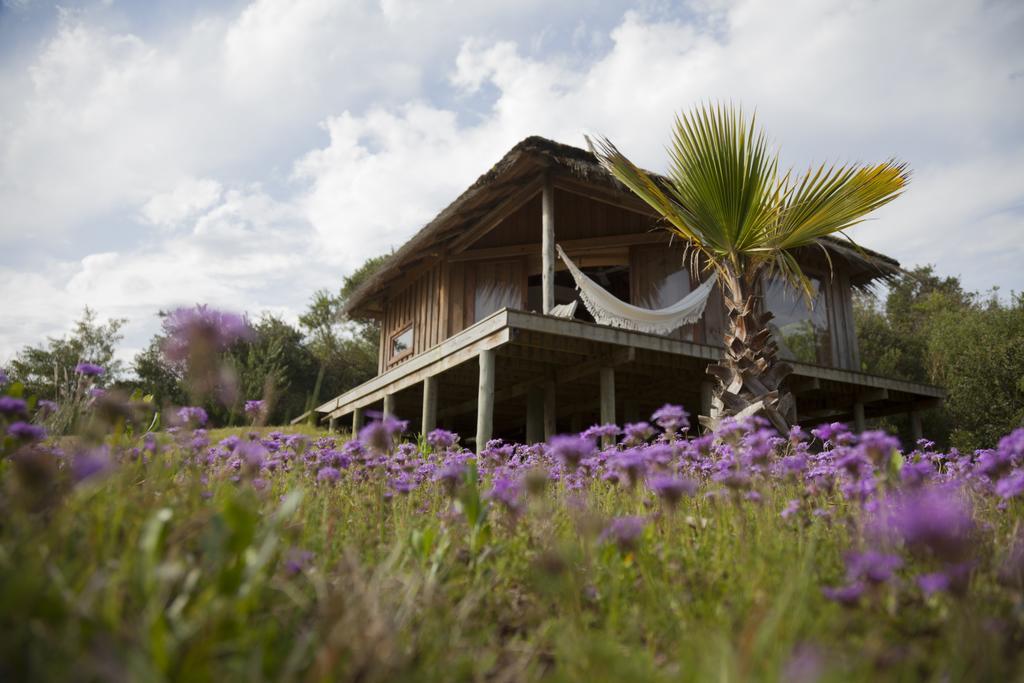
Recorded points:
328,474
89,369
836,433
403,485
671,418
759,445
806,665
254,409
380,435
90,463
571,449
11,406
637,433
872,566
797,435
624,532
792,507
794,465
192,415
297,560
601,431
26,431
633,463
506,491
878,447
994,464
1012,445
1011,486
847,596
933,520
915,474
450,475
933,583
670,489
252,454
200,331
44,407
441,439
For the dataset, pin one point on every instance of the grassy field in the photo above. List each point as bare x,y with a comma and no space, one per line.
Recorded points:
185,560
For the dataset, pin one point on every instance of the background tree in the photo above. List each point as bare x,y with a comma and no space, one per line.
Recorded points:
159,377
276,366
48,371
724,195
345,348
929,329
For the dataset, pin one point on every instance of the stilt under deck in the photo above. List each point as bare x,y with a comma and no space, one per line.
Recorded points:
525,376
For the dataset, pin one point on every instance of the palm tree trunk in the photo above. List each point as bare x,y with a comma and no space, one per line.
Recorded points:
749,376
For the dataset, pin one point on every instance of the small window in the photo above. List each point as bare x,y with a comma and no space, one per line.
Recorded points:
401,343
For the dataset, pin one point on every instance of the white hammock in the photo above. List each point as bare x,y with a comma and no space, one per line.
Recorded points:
609,310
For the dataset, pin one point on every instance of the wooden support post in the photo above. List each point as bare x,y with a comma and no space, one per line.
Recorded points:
608,400
631,410
550,410
357,421
389,405
916,433
485,400
429,420
707,390
548,246
535,415
859,423
576,423
332,425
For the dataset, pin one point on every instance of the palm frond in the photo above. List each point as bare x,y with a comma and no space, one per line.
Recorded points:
827,201
724,195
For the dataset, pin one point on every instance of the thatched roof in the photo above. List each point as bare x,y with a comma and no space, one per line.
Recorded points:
522,164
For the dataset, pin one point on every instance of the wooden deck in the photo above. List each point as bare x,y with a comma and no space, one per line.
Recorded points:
549,375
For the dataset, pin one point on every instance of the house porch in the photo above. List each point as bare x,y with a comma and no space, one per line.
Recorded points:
525,376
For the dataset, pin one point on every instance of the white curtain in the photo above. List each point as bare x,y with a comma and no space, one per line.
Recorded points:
609,310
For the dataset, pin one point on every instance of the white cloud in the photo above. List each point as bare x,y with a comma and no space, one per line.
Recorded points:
204,139
185,201
932,85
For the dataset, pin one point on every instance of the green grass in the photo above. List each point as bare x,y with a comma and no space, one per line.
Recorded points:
161,571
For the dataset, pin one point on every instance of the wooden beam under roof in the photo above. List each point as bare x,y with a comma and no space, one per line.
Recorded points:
570,246
495,216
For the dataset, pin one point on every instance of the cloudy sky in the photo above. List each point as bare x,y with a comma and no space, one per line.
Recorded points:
246,154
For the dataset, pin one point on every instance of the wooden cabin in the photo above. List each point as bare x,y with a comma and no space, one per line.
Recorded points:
468,341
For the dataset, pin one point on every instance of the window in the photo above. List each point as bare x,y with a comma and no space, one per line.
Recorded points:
498,286
401,342
801,331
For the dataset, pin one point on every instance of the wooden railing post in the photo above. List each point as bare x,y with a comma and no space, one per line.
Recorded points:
859,421
332,425
550,410
389,405
548,246
916,432
707,392
429,421
485,400
357,421
608,400
535,415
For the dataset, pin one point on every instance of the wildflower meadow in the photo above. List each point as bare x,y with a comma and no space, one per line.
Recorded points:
140,545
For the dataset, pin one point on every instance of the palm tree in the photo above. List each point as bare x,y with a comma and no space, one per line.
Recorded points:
744,219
